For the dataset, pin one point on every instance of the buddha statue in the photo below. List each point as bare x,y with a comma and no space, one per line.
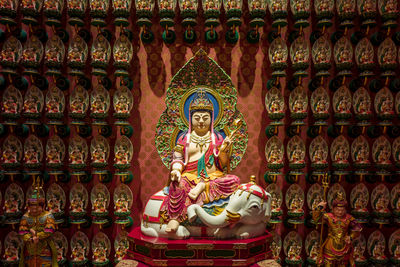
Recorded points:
358,252
54,204
100,253
99,204
61,251
77,204
294,250
11,205
318,155
78,253
396,250
199,158
121,204
11,253
378,250
275,249
314,250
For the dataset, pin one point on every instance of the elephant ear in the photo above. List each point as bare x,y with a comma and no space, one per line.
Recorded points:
268,209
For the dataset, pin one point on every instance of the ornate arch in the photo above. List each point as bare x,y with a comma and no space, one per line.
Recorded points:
200,72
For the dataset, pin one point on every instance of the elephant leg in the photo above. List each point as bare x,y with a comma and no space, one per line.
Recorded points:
148,230
172,226
182,232
225,232
157,230
250,230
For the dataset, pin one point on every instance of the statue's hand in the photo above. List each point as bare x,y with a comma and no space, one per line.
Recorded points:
35,239
175,176
348,239
226,144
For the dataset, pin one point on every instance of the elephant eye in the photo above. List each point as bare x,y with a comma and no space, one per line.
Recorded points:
254,206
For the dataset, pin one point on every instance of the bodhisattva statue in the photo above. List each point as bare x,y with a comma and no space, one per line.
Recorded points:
200,137
197,168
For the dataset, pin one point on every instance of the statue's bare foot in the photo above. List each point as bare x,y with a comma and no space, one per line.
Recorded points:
195,192
172,226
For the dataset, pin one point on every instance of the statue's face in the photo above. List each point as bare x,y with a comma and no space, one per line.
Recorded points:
201,121
339,211
35,209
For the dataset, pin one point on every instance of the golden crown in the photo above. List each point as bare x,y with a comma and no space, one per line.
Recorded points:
201,101
37,192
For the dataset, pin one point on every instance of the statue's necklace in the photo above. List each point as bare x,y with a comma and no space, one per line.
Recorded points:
200,141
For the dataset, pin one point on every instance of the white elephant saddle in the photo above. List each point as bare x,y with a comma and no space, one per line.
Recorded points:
151,212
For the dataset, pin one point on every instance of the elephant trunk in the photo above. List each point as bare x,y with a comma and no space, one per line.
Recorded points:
220,220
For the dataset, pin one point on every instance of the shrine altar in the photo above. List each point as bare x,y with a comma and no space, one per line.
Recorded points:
197,251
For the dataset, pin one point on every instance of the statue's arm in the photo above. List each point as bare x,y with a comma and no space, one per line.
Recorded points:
49,228
43,235
177,164
177,159
224,158
319,215
24,230
224,153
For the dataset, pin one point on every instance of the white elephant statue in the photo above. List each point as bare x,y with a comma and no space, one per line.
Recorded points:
245,216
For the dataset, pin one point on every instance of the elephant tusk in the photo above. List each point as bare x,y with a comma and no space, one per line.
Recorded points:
232,217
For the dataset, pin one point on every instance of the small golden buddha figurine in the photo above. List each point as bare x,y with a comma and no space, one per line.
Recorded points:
79,252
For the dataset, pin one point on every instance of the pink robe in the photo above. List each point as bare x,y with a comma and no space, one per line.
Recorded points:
218,184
